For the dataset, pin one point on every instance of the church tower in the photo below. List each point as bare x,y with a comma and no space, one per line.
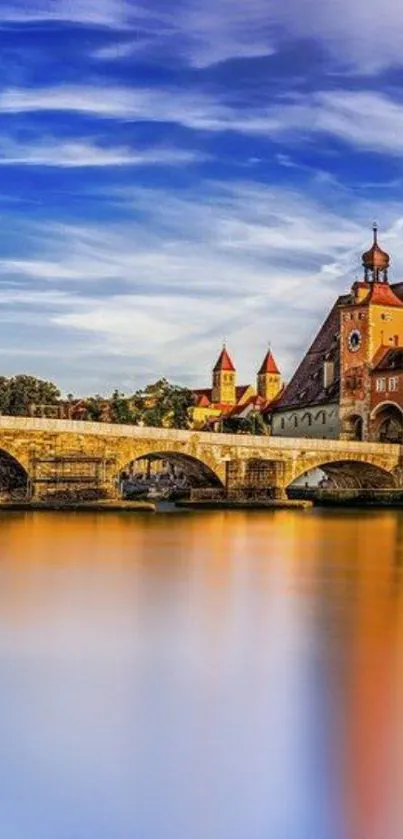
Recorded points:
224,380
269,382
371,319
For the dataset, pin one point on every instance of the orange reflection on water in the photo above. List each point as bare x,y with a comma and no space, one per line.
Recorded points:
262,645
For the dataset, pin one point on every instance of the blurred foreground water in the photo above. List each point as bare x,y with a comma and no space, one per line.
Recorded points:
201,676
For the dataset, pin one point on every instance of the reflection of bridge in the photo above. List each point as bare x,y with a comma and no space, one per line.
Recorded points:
57,450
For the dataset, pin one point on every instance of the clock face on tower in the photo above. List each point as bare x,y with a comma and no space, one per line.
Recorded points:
354,340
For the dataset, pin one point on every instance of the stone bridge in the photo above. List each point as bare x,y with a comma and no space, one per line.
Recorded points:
45,452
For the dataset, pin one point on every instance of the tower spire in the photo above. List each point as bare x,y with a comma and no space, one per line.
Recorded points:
375,261
224,379
269,381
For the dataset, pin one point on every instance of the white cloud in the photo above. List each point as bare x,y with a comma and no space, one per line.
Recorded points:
364,119
355,32
352,31
251,263
189,109
118,50
114,102
219,31
79,154
112,13
207,32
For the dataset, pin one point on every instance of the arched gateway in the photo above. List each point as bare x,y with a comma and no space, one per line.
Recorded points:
62,454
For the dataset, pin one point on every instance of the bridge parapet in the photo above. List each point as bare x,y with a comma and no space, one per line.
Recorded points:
281,459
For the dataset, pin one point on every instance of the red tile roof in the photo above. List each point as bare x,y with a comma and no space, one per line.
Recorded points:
388,358
202,397
224,362
269,365
240,391
381,294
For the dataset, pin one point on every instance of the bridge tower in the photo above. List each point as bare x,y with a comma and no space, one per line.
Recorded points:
224,380
371,321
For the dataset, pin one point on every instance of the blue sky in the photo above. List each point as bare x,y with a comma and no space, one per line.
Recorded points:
175,173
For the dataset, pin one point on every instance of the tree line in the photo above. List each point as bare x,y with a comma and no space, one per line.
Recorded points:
161,404
158,404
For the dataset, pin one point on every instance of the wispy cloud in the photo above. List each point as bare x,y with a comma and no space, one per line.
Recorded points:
212,33
349,116
84,154
249,262
151,275
365,119
355,33
119,50
352,32
91,12
205,32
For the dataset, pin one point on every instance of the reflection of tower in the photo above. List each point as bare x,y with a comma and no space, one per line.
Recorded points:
369,678
371,318
224,380
356,612
269,378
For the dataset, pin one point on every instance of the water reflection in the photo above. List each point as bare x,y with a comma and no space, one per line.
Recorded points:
235,676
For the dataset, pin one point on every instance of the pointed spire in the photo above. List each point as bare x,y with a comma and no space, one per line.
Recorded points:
224,361
269,364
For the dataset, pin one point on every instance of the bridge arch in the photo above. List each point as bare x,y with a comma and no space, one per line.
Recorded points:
197,472
387,423
14,478
353,427
349,473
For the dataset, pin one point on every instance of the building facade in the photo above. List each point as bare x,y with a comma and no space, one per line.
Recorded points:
350,382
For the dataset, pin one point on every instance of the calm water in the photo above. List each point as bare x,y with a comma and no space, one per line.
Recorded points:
201,676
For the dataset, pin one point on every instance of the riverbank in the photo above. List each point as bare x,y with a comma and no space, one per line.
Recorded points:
247,504
81,506
353,497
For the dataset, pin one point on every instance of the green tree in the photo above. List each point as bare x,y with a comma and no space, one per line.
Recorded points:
20,393
3,394
121,409
252,424
94,408
163,404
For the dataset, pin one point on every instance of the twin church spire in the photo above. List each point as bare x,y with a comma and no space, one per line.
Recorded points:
224,390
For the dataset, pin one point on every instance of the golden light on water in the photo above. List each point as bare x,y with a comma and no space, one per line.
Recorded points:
224,674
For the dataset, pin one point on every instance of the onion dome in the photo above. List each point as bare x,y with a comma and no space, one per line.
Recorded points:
224,362
376,260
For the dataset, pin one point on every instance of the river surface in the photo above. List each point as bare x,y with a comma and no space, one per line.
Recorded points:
201,675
